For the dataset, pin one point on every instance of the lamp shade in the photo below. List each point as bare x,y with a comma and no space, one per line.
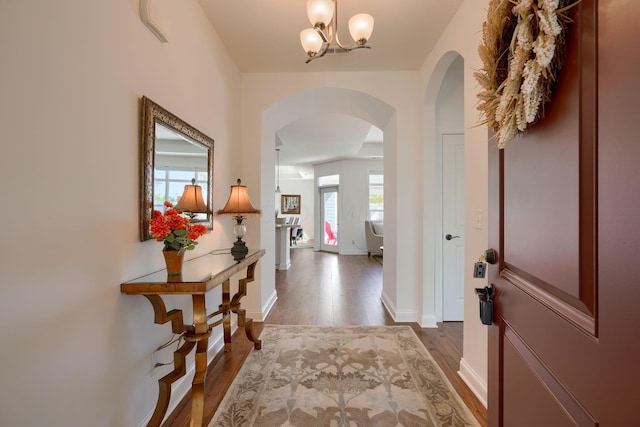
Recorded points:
320,11
311,41
361,27
238,203
191,200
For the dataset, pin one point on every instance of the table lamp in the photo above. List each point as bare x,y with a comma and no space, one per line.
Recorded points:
191,201
239,206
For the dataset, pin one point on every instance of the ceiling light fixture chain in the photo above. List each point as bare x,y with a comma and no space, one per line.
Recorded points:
323,15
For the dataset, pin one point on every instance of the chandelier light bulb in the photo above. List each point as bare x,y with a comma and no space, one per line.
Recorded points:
320,12
323,14
311,41
361,27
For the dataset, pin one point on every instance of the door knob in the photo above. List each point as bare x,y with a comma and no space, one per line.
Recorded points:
450,237
491,256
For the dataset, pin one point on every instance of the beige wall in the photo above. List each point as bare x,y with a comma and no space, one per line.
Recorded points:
74,350
353,202
388,100
410,162
72,75
303,187
463,36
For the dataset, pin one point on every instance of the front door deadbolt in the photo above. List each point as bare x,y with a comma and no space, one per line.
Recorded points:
491,256
485,295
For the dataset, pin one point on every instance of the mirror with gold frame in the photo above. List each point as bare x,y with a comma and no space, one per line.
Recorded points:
172,154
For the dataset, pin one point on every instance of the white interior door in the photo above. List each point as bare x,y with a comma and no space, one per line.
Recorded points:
329,219
453,227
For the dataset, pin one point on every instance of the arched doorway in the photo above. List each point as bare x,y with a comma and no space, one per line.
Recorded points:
340,101
444,155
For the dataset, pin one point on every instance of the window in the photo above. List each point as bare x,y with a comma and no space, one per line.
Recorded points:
169,184
376,196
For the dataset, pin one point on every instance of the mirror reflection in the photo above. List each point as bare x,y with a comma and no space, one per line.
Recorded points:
178,161
176,165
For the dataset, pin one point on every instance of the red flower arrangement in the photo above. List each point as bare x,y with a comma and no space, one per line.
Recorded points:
175,230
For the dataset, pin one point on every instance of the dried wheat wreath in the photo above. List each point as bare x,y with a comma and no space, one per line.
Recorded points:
522,51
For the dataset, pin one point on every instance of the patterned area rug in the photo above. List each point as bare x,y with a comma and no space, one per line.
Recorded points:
312,376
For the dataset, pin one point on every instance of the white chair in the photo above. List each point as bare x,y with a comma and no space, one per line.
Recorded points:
373,232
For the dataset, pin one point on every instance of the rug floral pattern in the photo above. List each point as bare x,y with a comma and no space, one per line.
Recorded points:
365,376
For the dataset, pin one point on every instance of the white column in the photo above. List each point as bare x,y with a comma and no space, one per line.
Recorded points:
283,247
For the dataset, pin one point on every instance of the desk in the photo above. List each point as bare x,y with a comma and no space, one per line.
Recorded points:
199,276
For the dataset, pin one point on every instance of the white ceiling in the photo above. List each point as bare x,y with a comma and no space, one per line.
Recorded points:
263,36
332,136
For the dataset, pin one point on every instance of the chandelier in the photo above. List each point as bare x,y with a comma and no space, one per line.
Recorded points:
323,15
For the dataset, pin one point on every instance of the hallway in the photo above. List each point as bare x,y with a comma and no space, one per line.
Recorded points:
328,289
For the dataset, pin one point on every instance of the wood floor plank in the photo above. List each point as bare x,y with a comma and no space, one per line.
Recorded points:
328,289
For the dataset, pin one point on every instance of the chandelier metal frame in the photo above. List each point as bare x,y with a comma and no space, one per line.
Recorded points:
329,32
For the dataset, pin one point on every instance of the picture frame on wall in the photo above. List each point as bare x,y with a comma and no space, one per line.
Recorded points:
290,204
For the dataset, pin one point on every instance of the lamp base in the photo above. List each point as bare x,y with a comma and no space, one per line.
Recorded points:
239,250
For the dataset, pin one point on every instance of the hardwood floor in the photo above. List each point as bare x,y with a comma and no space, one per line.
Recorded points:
327,289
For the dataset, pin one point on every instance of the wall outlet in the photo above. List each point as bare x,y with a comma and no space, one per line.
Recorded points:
155,360
479,270
160,358
163,354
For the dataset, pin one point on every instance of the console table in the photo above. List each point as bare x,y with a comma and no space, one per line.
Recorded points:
199,276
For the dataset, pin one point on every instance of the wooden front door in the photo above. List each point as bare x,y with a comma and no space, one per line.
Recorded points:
565,222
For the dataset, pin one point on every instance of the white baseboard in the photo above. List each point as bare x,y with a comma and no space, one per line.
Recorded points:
428,321
259,316
284,265
183,386
180,388
353,251
406,316
474,381
388,305
396,315
266,308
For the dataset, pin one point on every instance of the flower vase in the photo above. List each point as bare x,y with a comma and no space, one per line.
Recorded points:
173,262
